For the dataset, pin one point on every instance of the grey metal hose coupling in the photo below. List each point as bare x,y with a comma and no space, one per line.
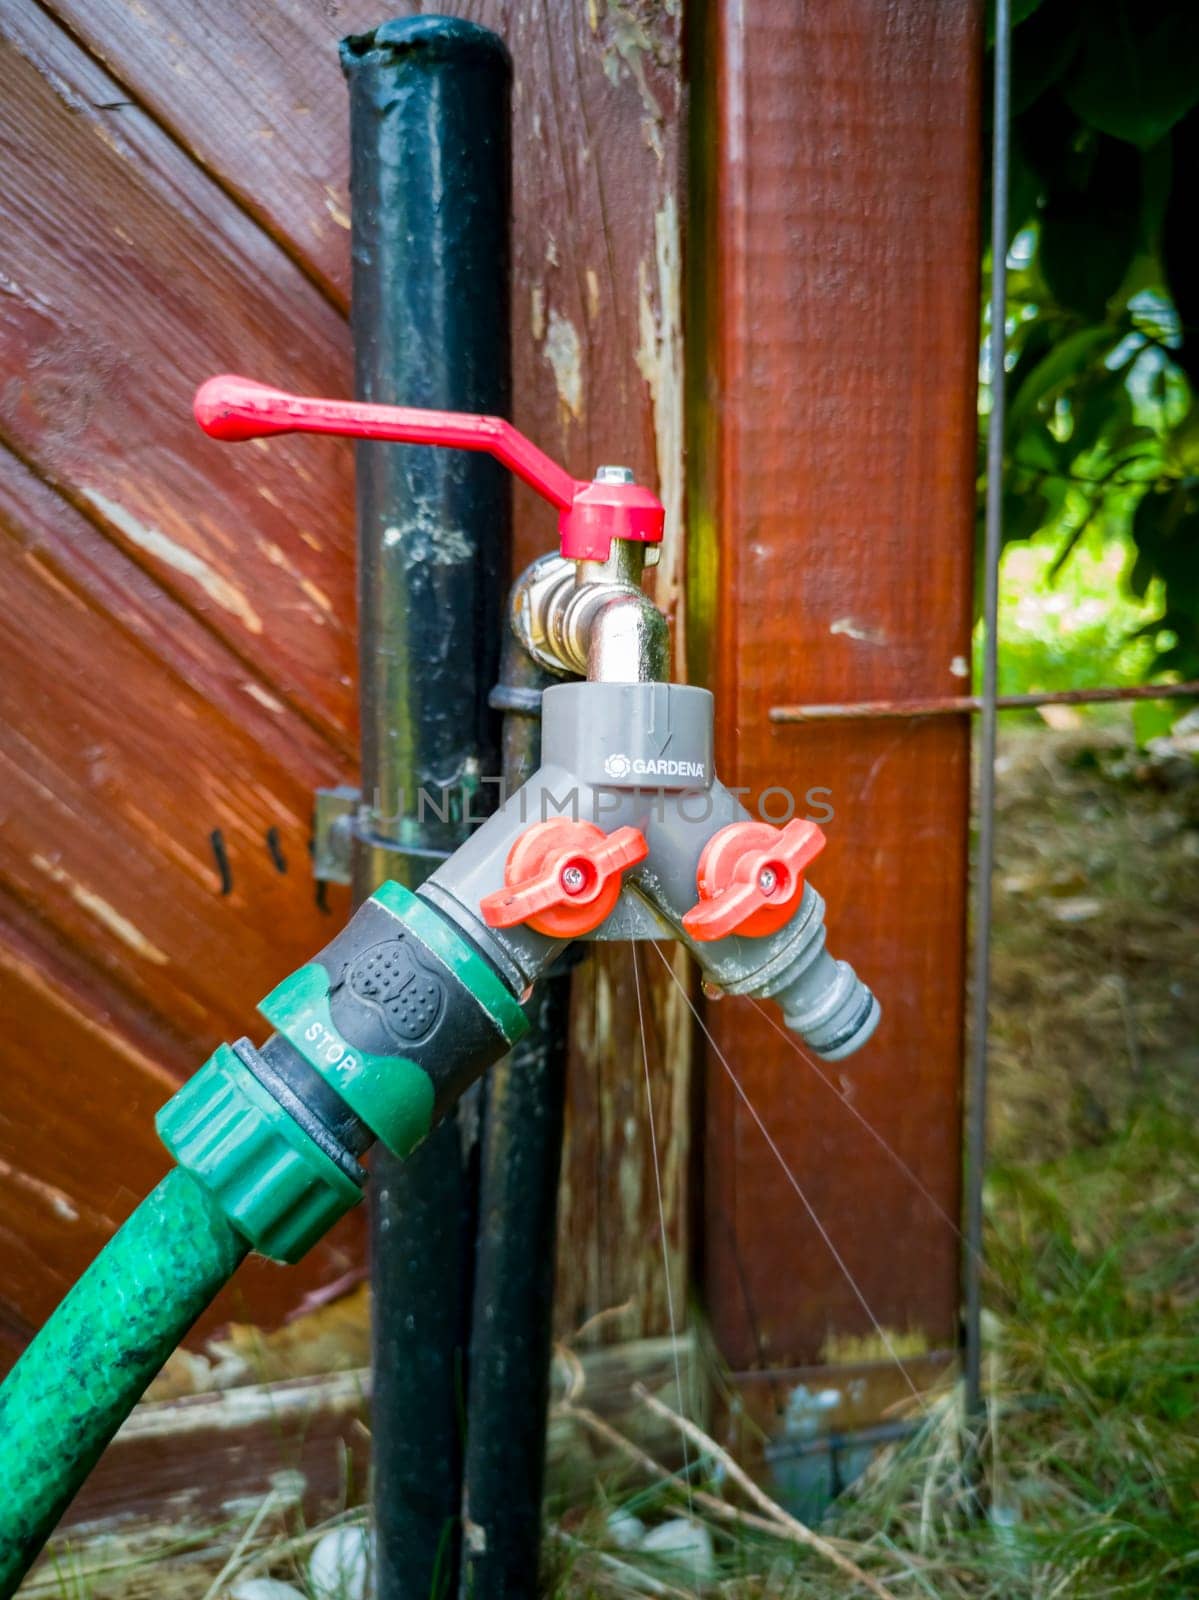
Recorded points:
822,999
625,832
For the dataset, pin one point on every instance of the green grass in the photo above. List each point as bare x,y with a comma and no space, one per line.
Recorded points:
1076,629
1096,1293
1088,1461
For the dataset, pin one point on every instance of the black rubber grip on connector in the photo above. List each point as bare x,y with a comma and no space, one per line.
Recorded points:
391,995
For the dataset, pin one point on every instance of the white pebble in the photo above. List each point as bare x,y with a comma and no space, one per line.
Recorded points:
1077,908
685,1544
339,1567
264,1589
625,1530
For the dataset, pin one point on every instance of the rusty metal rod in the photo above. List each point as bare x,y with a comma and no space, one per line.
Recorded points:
984,854
970,704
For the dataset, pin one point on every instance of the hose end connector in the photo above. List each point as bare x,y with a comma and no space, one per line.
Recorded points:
830,1008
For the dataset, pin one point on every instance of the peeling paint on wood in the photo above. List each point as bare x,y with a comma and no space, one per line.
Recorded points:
564,353
218,589
108,916
660,362
858,630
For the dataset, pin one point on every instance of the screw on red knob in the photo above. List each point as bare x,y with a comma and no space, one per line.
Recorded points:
563,878
590,515
750,878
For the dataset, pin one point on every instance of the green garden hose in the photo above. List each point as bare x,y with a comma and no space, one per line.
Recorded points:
79,1379
377,1037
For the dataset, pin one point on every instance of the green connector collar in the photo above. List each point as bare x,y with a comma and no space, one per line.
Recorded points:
275,1185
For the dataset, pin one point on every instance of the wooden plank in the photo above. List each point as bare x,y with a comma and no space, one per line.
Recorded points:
254,94
116,774
71,1040
832,512
612,1267
130,277
190,1463
72,553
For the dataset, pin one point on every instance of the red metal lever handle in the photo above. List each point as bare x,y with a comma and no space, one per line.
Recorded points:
234,409
590,515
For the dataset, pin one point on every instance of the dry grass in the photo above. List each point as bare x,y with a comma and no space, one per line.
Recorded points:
1096,969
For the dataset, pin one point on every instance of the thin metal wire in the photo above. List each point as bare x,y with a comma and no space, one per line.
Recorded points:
976,1135
888,1149
674,1332
884,1337
883,1143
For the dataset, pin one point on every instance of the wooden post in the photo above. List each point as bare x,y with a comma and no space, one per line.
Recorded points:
832,359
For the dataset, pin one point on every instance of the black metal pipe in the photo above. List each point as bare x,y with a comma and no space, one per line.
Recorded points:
430,181
512,1322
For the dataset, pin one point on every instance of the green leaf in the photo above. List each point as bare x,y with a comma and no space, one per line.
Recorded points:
1020,10
1084,258
1101,410
1024,513
1152,719
1142,466
1157,177
1038,451
1064,362
1184,442
1180,242
1041,52
1138,69
1048,137
1141,575
1023,195
1090,229
1165,531
1152,523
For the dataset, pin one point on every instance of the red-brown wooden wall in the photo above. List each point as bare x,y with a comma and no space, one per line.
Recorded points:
179,655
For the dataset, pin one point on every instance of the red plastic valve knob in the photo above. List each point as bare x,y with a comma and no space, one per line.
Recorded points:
590,515
750,878
563,878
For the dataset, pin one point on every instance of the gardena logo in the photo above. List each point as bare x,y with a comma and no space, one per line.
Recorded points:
622,766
